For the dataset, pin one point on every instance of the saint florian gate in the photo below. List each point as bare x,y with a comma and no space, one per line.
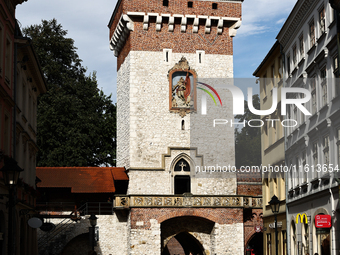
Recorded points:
167,53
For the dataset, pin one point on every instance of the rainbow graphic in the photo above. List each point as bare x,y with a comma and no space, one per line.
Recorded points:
209,93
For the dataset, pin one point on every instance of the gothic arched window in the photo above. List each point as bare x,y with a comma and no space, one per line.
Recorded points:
182,182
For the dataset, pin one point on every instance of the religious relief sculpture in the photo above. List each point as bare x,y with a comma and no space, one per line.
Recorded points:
182,88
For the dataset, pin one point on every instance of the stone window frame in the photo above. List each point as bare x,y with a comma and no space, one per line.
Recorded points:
167,56
325,141
335,68
315,156
174,173
294,50
303,163
323,83
301,46
322,20
314,99
312,38
200,57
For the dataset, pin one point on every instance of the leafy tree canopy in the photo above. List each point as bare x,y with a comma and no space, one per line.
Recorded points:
76,122
248,139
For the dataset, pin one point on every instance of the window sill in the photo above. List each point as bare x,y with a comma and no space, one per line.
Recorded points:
301,61
332,24
323,108
311,49
335,98
315,183
321,37
294,70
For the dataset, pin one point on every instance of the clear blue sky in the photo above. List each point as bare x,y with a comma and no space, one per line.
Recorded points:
86,22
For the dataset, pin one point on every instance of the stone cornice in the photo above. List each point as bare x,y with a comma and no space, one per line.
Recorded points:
125,25
187,200
295,20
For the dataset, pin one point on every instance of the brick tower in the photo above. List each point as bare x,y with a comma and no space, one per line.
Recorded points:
163,49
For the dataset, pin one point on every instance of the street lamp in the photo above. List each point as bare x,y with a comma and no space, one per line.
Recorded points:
11,172
93,223
275,206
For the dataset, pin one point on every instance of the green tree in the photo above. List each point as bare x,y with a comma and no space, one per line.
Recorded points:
76,122
248,139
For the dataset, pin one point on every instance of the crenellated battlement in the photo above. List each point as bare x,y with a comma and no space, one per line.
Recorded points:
185,23
157,24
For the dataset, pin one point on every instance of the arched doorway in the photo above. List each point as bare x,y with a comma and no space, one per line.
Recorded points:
185,234
183,244
255,244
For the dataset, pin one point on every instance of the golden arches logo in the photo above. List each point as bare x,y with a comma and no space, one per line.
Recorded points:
301,218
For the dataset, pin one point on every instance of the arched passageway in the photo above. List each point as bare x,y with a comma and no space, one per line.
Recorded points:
187,234
255,244
183,244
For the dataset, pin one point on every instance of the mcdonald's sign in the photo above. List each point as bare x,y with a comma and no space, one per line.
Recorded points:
302,216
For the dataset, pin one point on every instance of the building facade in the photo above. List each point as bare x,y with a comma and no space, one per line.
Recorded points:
163,49
308,40
270,76
21,82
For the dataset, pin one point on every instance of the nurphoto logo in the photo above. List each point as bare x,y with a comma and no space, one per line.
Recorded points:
238,104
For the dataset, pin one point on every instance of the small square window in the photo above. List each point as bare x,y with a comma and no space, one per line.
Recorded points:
214,6
190,4
165,2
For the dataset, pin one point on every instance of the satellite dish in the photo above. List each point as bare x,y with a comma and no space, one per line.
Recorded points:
35,222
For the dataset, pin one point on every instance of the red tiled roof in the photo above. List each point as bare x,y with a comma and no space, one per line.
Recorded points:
81,179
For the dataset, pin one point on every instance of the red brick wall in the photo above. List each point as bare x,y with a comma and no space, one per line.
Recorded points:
249,184
225,9
249,190
179,42
219,215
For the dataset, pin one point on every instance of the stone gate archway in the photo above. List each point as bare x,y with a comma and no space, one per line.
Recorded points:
182,235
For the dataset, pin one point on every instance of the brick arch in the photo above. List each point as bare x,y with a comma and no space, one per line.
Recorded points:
188,212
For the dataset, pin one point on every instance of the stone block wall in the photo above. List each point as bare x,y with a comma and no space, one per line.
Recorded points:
150,129
123,115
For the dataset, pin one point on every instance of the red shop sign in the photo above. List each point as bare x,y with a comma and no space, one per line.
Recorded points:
323,221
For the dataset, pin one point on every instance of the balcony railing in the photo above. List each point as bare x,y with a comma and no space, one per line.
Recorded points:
122,202
65,208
